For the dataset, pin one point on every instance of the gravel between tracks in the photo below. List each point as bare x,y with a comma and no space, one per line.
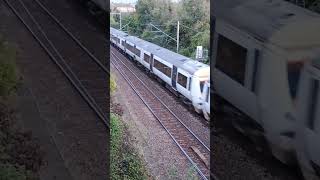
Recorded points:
161,155
79,136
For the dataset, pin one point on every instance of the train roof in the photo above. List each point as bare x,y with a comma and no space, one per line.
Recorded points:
118,32
261,18
180,61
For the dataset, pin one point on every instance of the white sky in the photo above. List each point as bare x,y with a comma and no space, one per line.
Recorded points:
131,1
124,1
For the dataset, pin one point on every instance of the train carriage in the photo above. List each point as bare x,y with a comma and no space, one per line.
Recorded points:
182,74
145,49
131,47
261,53
118,37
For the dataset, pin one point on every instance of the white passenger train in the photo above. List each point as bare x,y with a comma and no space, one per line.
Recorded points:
266,65
184,75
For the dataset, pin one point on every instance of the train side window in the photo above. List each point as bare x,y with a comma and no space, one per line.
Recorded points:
146,58
162,68
201,85
129,47
182,80
231,59
117,40
136,51
313,103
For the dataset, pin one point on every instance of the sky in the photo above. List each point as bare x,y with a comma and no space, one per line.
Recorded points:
130,1
124,1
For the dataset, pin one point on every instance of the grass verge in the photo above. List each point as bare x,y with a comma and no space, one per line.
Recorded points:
20,156
125,163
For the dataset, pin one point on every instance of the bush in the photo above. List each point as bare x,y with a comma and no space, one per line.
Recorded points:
10,172
116,131
8,72
113,85
125,164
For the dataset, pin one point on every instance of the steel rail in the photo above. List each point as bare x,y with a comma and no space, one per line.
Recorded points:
154,114
213,176
57,52
194,135
73,37
80,89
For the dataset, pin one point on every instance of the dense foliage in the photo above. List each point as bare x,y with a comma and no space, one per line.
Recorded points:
20,154
193,16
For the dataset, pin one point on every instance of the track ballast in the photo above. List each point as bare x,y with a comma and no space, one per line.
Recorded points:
191,146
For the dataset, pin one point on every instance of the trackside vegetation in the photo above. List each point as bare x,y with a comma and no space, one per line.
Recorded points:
113,85
125,162
20,156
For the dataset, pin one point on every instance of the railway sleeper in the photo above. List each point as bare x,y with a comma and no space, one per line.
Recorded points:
201,156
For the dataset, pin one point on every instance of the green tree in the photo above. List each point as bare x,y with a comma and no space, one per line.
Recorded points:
113,22
192,14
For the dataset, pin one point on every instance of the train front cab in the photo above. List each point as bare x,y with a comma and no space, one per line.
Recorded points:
308,119
198,81
281,85
206,100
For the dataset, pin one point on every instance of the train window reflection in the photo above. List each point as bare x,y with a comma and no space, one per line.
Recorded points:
231,59
201,85
146,58
182,80
162,68
294,71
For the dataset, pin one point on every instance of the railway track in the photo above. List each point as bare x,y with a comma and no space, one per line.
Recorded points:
183,111
86,73
190,145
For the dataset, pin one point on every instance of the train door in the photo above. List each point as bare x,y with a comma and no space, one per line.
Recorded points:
308,133
174,77
151,62
134,53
